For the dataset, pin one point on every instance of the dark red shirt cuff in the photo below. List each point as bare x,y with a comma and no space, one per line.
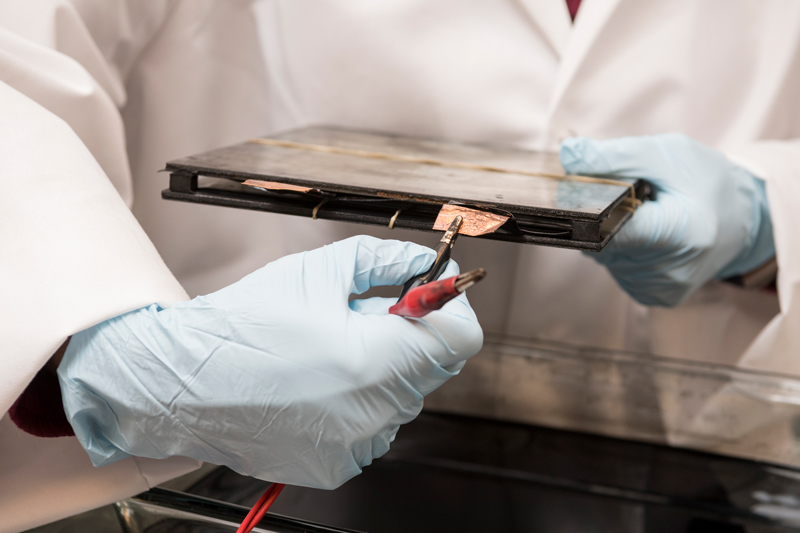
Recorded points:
39,410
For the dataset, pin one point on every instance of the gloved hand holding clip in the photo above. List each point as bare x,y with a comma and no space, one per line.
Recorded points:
275,376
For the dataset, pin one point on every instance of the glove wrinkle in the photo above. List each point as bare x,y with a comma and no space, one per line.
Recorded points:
707,220
275,376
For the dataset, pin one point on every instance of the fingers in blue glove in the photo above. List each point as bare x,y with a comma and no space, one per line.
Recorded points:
380,306
274,376
709,219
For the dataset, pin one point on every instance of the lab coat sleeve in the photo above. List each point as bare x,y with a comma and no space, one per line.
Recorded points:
72,255
777,347
72,58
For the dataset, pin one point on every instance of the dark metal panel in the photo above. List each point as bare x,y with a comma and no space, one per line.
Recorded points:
543,211
373,177
412,216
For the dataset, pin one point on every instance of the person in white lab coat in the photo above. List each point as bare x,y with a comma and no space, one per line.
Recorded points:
167,79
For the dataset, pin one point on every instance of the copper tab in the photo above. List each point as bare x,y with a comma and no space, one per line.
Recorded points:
275,186
475,222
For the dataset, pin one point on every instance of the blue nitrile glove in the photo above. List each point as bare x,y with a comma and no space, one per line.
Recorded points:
710,218
275,376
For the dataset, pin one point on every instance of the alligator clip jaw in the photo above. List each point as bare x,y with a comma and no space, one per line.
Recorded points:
443,250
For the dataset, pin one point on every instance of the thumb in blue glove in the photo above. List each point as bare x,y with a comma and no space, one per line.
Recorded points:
275,376
710,218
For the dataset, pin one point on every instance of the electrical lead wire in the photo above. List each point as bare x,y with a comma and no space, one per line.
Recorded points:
260,508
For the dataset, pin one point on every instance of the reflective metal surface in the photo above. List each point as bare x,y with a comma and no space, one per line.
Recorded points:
453,473
166,511
709,407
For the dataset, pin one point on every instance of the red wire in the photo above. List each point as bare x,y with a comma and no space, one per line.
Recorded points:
254,510
260,508
266,506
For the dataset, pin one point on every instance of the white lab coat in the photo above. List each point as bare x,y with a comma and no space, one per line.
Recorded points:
167,79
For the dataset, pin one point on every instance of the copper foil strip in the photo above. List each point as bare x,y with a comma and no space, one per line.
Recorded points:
475,222
275,186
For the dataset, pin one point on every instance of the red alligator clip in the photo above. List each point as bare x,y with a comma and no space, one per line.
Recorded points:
431,296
